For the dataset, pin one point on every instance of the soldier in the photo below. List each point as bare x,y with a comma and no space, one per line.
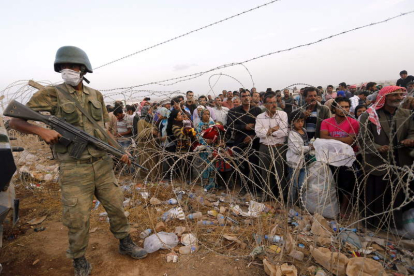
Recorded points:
92,174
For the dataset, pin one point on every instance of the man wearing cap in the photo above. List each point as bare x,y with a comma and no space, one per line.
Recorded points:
405,79
92,174
352,89
386,139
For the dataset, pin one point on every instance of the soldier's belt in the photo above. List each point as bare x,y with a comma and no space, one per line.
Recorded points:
84,161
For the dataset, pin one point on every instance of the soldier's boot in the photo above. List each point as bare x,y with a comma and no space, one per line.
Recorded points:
82,266
128,247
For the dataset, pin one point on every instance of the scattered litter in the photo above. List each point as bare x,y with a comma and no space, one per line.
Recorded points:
36,261
37,220
189,239
364,267
258,251
188,249
155,201
160,226
172,257
176,212
145,233
334,262
179,230
161,240
93,230
351,238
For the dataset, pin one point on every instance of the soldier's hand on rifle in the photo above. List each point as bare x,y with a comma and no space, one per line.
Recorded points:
50,136
125,159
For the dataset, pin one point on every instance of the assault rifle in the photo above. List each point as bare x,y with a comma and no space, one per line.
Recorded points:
70,134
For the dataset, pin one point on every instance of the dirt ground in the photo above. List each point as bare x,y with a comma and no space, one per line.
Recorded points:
26,252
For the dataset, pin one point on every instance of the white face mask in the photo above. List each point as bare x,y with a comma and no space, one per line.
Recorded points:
71,77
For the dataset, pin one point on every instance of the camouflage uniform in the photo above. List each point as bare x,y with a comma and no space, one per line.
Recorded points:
91,175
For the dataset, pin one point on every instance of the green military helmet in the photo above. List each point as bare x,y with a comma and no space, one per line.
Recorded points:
72,54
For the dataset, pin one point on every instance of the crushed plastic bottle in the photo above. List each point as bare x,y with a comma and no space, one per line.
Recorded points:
126,202
189,249
145,233
195,215
221,220
293,213
176,212
333,226
212,213
348,229
205,222
162,240
96,205
258,238
171,201
274,238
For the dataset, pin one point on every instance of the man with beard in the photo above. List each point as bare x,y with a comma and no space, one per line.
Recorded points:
344,129
315,113
387,137
220,111
228,102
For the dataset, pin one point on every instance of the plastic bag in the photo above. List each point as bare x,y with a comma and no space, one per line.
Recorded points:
408,223
360,266
320,227
320,194
162,240
334,262
333,152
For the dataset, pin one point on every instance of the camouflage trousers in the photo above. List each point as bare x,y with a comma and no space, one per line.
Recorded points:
79,182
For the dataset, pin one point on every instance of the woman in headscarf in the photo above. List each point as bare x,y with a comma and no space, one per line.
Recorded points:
180,136
178,133
147,146
162,123
204,165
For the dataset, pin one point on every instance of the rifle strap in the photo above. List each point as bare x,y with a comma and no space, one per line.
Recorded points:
79,106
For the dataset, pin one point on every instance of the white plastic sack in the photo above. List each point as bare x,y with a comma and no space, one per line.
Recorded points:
161,240
333,152
320,191
408,225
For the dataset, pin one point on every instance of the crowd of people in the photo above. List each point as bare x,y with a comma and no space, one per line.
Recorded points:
263,141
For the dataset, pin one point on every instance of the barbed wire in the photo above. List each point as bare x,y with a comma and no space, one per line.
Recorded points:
199,74
188,33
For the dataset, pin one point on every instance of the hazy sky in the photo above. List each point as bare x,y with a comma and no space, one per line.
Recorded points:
32,31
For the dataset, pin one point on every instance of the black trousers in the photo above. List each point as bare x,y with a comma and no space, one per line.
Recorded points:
384,195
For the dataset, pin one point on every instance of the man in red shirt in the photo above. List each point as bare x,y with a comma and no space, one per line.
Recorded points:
344,129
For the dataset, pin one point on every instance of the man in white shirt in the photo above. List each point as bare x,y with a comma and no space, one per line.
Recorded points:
220,111
272,129
124,128
358,100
